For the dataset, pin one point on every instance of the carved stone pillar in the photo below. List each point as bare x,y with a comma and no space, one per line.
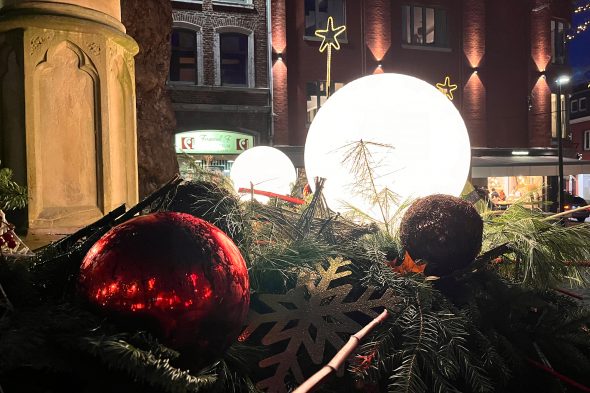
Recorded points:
67,109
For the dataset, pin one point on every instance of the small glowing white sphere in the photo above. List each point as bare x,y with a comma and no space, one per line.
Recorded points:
415,144
265,169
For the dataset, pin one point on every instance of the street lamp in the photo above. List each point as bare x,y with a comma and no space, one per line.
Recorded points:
564,79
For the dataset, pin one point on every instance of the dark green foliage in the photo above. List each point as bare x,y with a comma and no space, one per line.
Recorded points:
214,203
12,195
151,366
425,345
51,341
475,334
475,330
542,252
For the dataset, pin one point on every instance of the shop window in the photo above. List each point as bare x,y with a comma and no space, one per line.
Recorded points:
558,48
504,191
424,26
574,106
587,140
317,13
316,97
209,149
564,116
582,105
185,55
234,57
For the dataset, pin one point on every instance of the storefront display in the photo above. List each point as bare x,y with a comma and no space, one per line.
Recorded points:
211,149
509,189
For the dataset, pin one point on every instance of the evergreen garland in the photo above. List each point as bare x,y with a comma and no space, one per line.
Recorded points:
479,330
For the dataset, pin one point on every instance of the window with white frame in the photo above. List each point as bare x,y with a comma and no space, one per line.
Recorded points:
424,26
317,13
186,59
558,48
587,140
574,106
582,105
234,57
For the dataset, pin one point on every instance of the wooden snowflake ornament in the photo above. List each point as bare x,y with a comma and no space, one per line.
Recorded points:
319,304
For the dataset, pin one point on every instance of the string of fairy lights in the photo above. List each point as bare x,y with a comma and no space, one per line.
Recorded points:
580,28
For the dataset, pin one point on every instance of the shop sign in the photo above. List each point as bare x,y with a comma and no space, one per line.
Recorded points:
212,142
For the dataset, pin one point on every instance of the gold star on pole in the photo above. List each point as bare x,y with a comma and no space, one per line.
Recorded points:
329,37
446,88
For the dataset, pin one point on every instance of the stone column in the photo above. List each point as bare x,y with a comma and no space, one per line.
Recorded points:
67,109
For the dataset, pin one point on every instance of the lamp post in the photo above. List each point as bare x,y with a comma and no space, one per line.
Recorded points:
560,81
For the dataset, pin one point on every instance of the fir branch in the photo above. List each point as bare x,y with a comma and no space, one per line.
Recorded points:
430,343
117,353
275,265
539,248
406,378
213,202
236,368
12,195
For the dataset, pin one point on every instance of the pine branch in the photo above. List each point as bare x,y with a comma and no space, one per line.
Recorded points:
429,343
540,250
12,196
238,367
156,371
406,377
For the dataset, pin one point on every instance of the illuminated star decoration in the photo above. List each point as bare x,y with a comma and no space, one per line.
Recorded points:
329,37
446,88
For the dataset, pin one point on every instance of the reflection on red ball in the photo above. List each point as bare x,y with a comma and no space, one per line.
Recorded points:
180,275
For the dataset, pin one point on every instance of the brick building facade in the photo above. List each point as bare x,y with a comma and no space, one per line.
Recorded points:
580,119
580,134
219,79
504,56
501,54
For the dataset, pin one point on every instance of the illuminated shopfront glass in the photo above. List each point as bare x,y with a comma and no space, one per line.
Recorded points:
209,149
522,188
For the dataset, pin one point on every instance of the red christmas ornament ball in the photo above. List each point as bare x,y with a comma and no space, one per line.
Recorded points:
176,274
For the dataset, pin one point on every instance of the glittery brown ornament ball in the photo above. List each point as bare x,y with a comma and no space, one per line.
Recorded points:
444,231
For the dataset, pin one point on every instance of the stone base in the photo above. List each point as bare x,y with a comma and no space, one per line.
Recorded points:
67,111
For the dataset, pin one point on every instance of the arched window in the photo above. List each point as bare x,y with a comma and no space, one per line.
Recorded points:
234,57
186,57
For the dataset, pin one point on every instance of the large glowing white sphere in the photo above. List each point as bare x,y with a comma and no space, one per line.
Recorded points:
416,141
265,169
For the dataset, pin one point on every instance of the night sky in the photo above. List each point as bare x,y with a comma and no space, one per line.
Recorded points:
579,51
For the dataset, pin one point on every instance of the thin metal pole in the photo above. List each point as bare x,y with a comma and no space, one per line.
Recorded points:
560,153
